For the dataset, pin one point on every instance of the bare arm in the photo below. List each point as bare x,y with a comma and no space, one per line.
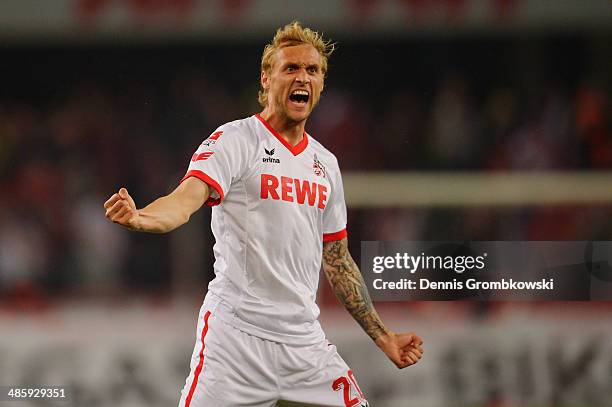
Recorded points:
350,288
348,285
162,215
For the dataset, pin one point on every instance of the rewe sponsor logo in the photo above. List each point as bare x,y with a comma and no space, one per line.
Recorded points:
295,190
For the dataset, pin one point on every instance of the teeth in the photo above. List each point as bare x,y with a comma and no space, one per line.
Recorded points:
300,92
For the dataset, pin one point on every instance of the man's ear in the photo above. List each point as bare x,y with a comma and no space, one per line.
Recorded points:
264,80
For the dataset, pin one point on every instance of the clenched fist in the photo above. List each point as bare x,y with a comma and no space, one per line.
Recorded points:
121,209
404,349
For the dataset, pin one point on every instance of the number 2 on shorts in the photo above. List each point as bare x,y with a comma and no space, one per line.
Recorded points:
344,383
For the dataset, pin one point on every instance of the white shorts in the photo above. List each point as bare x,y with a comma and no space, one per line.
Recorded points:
230,368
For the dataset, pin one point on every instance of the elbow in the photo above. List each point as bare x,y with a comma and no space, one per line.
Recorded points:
183,218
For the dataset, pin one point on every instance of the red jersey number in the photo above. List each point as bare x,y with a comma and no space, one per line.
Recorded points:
345,383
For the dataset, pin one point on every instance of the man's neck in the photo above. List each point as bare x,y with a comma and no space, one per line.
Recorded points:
291,131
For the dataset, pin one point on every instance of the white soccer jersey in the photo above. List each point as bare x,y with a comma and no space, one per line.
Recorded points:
274,205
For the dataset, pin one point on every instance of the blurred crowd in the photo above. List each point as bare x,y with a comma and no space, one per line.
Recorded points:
76,125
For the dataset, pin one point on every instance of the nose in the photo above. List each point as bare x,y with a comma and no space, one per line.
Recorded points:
302,77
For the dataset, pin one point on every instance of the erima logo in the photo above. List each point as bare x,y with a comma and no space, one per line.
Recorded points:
270,159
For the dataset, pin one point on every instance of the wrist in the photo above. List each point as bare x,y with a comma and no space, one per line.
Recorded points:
135,224
384,339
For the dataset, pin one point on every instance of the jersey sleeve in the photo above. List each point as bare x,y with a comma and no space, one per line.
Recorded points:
334,216
218,161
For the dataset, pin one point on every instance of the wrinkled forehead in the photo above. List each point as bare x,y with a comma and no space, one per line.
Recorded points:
301,54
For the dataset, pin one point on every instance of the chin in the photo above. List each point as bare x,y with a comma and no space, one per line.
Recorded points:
302,116
298,116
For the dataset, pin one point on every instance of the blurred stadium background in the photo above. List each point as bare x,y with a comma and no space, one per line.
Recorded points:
452,120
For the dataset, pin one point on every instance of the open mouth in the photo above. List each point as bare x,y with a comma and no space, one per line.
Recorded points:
299,96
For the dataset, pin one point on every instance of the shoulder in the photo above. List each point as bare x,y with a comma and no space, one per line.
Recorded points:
235,134
240,127
323,154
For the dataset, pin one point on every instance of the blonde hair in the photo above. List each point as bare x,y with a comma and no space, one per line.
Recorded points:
290,35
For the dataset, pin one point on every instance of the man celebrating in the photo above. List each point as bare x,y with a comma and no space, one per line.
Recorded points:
278,212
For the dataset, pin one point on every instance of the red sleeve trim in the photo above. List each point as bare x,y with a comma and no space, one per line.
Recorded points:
331,237
214,184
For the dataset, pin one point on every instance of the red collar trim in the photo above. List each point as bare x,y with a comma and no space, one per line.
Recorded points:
296,149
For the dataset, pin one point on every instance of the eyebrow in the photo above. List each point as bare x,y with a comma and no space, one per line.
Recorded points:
297,65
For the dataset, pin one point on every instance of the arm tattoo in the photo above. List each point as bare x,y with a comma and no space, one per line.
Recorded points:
348,285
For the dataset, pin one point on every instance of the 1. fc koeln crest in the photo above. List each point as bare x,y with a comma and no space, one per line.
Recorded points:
319,169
